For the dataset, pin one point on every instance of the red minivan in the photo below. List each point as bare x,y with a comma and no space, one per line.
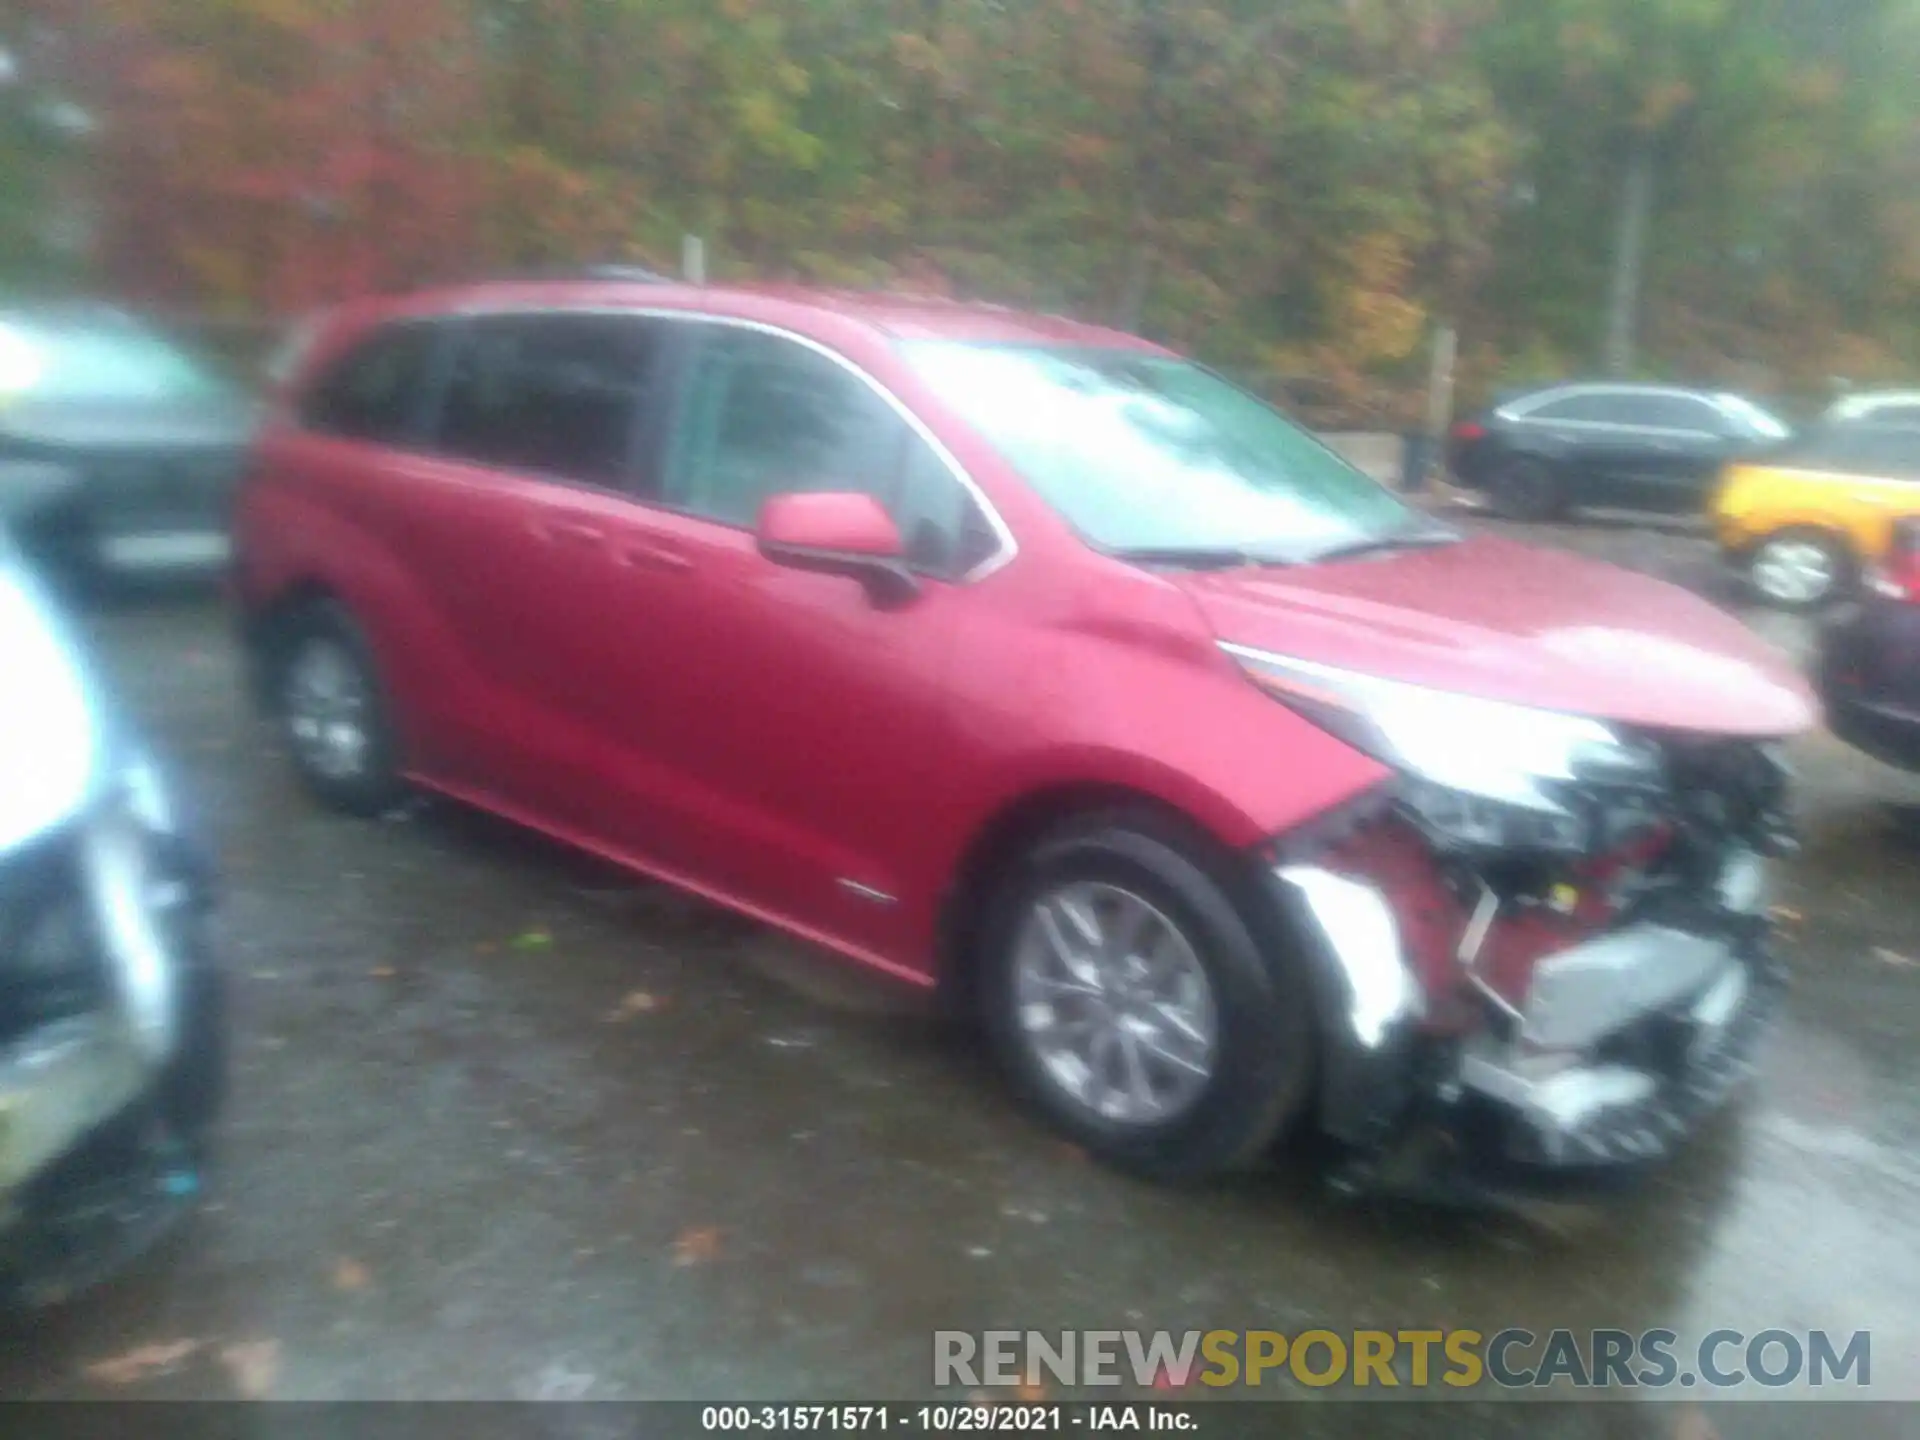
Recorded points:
1028,660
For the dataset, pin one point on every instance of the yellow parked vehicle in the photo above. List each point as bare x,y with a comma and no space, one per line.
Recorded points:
1801,523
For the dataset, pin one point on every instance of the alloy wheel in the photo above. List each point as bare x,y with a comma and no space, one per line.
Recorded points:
1114,1004
1794,570
327,708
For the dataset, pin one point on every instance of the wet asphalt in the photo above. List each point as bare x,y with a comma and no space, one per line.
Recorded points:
507,1124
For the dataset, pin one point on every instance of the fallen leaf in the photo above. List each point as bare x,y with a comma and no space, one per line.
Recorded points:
382,972
1783,912
635,1002
1690,1422
254,1366
143,1362
1895,959
697,1246
485,947
350,1276
533,940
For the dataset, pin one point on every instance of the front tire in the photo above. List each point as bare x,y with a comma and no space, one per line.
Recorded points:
334,713
1129,1001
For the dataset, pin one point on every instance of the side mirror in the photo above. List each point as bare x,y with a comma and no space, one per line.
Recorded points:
838,533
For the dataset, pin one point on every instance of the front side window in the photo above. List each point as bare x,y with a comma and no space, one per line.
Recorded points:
1678,412
765,416
553,394
375,390
1594,407
1146,455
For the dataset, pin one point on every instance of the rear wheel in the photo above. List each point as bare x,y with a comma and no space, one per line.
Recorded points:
1527,488
1798,569
334,712
1129,1001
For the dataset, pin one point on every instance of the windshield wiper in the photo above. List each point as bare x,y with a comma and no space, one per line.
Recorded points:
1195,557
1383,544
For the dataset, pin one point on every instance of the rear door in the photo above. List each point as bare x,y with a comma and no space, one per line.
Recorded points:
329,502
506,518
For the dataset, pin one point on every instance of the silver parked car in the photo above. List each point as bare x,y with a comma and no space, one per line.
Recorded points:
112,1051
119,449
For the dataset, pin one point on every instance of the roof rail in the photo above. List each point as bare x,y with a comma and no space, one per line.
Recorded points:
638,273
634,274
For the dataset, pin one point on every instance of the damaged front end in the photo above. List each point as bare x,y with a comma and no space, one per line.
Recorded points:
1541,950
111,1043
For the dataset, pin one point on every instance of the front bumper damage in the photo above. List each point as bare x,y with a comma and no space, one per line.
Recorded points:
111,1059
1623,1045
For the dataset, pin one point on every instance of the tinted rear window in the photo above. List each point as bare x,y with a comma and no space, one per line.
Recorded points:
554,394
377,390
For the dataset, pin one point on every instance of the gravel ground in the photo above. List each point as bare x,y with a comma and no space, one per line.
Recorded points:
507,1125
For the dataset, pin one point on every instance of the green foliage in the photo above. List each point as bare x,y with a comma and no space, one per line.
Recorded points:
1304,187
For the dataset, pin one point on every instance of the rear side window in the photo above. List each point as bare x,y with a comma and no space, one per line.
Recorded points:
377,389
553,393
763,416
1595,408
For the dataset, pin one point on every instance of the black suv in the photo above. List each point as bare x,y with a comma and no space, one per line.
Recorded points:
1540,453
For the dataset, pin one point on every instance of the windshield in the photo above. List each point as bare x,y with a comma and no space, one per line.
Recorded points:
96,356
1145,454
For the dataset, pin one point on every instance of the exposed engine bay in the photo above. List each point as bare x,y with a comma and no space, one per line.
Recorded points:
1583,977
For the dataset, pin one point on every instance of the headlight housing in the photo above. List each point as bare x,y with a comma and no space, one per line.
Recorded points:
1479,773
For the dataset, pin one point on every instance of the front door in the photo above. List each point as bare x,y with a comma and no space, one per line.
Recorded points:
1686,439
789,727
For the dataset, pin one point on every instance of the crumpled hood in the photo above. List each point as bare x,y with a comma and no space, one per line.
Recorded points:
52,733
1506,621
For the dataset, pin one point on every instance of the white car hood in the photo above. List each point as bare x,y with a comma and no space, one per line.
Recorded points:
51,731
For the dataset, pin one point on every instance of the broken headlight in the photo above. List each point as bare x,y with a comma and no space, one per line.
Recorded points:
1478,774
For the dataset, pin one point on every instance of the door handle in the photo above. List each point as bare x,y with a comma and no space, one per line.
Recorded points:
653,555
568,532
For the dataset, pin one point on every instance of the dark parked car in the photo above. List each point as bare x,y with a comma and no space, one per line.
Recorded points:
1870,664
118,448
111,1048
1542,453
1029,660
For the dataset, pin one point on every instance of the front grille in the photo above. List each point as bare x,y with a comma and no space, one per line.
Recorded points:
187,478
52,963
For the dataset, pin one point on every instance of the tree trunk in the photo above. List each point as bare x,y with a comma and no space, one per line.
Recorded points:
1138,277
1629,259
1149,150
